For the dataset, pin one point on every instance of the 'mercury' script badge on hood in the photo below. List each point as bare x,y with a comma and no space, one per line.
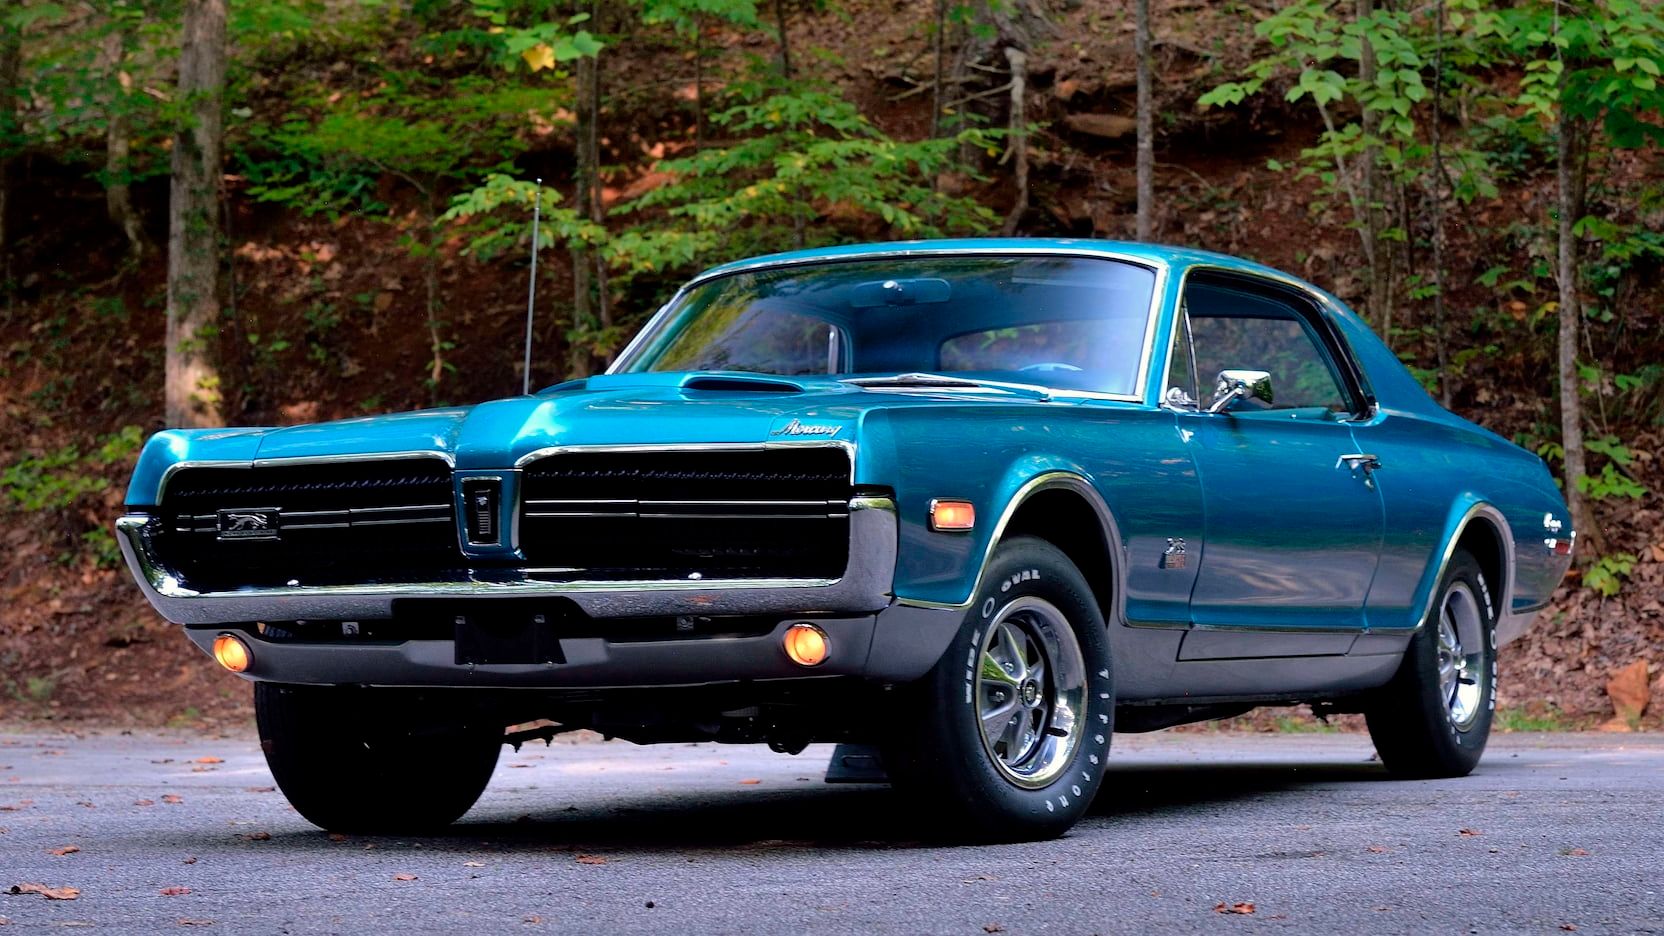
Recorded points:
795,428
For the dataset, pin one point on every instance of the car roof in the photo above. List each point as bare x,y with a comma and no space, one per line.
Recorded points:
1154,254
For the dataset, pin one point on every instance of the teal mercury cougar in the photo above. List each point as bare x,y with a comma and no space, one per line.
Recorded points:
966,508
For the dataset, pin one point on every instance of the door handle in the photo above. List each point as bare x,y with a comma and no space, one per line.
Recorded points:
1358,460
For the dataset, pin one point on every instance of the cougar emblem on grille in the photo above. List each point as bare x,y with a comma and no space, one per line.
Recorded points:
248,523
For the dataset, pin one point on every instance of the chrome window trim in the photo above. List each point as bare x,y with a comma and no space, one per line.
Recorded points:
1158,291
1324,308
171,470
1066,480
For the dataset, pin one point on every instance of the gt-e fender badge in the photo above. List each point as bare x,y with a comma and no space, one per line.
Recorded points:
1174,557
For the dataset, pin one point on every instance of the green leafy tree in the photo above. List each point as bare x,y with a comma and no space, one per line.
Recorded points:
805,168
432,132
1592,73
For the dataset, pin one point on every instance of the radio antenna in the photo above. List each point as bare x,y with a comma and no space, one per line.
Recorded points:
531,290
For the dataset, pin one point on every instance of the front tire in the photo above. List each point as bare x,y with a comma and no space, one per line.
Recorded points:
372,761
1007,738
1434,718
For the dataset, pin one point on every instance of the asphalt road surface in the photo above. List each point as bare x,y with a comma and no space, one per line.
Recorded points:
1552,834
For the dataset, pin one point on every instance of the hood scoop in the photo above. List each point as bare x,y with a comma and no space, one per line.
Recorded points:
740,383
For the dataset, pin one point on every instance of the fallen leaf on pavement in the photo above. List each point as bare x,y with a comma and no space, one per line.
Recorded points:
175,891
187,922
992,928
1468,833
144,802
752,782
258,836
66,850
1377,849
534,918
591,860
260,789
172,799
404,877
210,760
473,864
1569,927
1576,853
190,860
1243,907
50,893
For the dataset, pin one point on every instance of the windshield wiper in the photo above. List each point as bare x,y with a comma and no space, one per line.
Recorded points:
942,381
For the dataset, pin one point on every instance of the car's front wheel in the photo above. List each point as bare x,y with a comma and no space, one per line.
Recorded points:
1007,738
1434,718
372,761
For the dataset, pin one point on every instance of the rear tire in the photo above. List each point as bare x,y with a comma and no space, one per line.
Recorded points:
1007,738
372,761
1434,718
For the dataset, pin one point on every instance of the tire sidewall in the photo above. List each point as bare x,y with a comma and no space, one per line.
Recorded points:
1021,568
1470,742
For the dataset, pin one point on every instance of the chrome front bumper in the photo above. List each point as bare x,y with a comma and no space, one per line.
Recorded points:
864,588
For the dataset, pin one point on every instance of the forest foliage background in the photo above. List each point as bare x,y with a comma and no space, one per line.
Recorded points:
274,211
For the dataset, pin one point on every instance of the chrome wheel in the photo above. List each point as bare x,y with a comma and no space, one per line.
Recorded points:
1030,691
1461,656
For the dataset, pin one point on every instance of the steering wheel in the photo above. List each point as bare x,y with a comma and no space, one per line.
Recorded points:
1051,366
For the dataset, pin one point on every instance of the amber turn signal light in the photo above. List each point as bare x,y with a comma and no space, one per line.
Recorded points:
806,644
952,515
232,653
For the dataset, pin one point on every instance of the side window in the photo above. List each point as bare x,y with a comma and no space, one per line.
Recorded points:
1237,330
1180,389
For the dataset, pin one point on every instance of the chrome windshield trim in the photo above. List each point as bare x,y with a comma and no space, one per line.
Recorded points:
1158,294
865,586
171,470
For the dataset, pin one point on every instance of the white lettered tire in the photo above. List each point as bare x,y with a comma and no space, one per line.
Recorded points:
1008,737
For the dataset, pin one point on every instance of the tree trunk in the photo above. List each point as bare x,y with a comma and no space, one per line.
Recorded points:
586,197
595,211
940,44
118,169
11,66
1379,283
1569,199
1019,137
1146,126
192,392
1440,178
785,43
698,82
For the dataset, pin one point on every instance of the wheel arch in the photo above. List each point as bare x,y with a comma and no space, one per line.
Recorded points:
1049,507
1478,528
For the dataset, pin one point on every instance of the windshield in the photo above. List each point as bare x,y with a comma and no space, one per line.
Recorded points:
1068,322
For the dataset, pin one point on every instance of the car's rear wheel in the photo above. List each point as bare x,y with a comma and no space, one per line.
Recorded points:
372,761
1434,718
1007,738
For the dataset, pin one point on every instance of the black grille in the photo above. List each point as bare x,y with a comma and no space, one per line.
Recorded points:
316,524
776,513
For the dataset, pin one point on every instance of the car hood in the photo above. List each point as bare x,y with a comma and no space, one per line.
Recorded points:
624,409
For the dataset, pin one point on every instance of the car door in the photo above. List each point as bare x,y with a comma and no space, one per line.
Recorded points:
1293,525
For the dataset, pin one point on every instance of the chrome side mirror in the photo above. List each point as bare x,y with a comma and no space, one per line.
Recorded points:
1241,385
